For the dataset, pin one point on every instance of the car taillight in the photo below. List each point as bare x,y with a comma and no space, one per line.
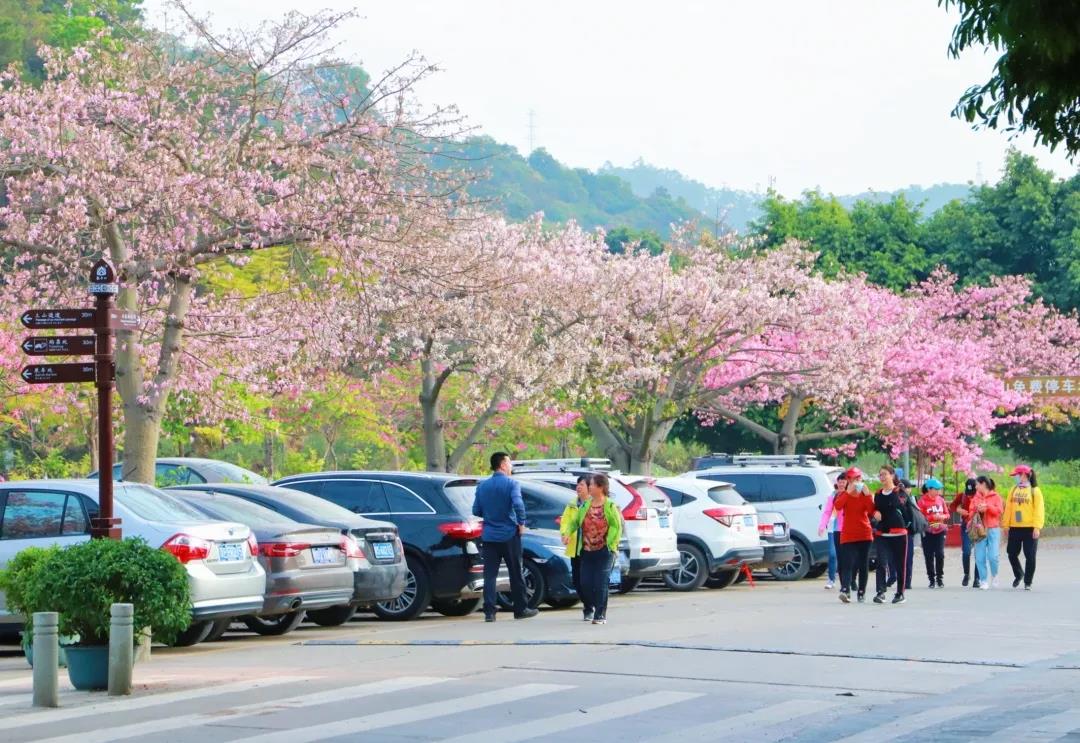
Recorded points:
462,529
725,516
282,549
186,548
636,510
352,547
253,545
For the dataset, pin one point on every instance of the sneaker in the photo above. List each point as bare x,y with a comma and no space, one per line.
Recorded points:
976,584
845,597
600,620
1016,582
862,598
1027,586
527,614
899,598
965,581
879,598
587,615
985,586
932,583
489,617
940,583
829,585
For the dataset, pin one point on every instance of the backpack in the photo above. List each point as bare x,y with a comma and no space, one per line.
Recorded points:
913,517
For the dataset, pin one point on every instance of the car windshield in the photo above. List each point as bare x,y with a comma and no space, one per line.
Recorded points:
461,494
231,508
229,472
311,506
726,496
153,505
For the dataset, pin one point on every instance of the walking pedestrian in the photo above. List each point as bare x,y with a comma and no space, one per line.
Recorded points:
987,504
601,529
572,539
854,507
832,521
892,544
961,505
909,507
498,502
936,511
1025,515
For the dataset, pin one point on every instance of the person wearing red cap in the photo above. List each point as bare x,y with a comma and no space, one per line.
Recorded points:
1024,516
855,505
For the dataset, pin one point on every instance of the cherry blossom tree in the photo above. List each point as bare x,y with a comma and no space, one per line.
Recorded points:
178,162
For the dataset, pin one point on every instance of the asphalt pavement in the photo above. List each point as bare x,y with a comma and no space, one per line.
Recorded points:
779,661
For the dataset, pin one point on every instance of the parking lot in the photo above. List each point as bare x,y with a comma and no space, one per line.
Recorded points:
779,661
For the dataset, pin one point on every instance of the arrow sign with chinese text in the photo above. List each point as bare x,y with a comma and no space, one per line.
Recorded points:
42,319
58,373
59,345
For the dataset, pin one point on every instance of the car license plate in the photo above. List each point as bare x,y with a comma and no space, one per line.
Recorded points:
748,520
383,550
616,576
231,552
665,522
324,555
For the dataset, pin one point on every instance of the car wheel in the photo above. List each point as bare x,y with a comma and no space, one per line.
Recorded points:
692,571
413,601
194,634
796,568
455,607
278,624
629,584
535,587
219,629
817,571
722,578
565,603
335,616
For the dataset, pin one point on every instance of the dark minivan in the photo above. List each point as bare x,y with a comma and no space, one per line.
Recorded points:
433,514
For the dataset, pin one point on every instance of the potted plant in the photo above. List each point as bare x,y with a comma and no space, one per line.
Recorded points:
83,581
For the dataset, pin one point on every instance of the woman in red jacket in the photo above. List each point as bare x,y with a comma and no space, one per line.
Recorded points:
987,504
856,505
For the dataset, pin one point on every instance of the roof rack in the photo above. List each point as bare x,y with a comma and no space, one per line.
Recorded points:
787,460
597,464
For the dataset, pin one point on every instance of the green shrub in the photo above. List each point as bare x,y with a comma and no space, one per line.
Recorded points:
21,581
1061,472
1062,505
81,582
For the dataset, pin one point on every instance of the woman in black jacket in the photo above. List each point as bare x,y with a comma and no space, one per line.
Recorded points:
893,540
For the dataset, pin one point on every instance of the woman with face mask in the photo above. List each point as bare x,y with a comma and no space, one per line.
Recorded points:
1024,516
855,505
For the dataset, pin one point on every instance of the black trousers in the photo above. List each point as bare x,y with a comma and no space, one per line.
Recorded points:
892,553
933,547
494,555
595,571
575,576
1022,537
854,563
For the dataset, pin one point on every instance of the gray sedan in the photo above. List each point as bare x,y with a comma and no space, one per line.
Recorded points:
307,566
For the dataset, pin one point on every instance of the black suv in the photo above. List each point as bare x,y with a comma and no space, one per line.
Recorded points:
433,514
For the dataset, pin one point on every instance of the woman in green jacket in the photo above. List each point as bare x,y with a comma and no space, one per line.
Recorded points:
601,529
572,539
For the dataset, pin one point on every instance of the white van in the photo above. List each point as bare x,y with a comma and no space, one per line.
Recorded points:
795,485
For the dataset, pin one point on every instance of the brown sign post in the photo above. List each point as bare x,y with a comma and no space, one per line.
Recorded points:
104,319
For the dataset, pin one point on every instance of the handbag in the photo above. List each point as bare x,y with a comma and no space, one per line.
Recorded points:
976,529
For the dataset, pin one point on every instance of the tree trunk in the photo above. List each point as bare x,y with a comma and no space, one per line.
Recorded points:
142,430
476,429
788,439
268,455
92,439
647,443
434,438
612,445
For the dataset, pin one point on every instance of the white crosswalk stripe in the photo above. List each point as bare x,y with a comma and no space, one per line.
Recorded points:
153,727
417,713
126,704
1046,728
910,724
755,720
578,718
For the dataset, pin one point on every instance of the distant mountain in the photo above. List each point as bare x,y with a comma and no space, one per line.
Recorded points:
736,209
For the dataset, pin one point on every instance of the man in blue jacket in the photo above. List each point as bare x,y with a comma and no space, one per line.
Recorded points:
498,502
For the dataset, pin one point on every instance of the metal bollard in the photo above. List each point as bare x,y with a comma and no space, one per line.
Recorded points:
46,659
121,648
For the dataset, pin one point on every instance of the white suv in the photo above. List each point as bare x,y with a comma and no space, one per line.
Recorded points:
649,523
717,532
795,485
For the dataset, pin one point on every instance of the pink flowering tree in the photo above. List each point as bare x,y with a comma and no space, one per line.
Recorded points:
675,328
179,163
508,307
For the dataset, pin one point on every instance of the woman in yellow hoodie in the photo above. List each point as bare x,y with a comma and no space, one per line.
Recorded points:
571,537
1024,517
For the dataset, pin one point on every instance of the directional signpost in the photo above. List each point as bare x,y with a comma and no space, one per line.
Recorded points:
104,319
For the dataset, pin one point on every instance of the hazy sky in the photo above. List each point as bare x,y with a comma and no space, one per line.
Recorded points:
845,95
